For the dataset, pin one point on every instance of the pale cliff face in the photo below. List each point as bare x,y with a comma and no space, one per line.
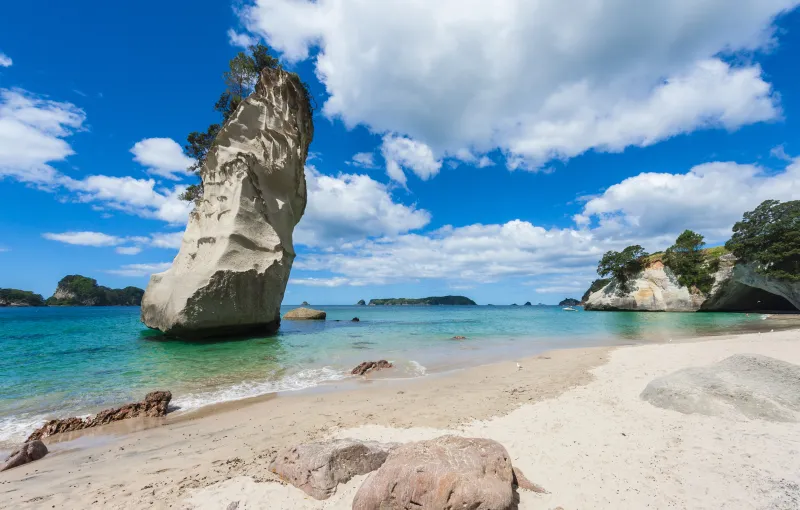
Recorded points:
231,272
737,287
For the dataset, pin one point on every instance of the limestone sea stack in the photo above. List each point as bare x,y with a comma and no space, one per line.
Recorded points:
231,272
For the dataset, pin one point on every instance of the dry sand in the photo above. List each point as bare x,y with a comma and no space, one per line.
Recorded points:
572,420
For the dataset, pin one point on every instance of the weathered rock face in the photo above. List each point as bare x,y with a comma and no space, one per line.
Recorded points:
305,314
749,385
737,287
29,452
656,290
446,472
318,468
231,272
154,405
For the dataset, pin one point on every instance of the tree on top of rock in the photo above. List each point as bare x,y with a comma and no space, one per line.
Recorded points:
769,238
688,261
240,80
622,266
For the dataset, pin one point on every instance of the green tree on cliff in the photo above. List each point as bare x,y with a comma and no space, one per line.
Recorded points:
622,266
687,260
769,238
240,80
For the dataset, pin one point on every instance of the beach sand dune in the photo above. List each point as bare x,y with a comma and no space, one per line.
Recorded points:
572,420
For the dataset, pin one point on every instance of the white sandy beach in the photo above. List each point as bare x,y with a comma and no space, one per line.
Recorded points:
572,420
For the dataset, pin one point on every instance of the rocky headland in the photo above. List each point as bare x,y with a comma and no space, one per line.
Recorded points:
428,301
16,297
77,290
231,272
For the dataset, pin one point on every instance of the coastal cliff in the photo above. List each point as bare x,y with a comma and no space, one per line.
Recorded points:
736,288
233,266
77,290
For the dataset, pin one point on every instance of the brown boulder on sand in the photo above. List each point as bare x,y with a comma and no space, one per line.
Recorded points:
154,405
369,366
317,468
30,451
446,472
305,314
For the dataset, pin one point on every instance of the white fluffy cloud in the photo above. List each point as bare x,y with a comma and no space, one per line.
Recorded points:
138,270
650,209
404,153
350,207
168,240
709,199
128,250
5,60
85,238
240,40
540,79
363,160
32,132
162,157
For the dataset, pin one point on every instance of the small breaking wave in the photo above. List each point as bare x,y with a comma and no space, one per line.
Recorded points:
416,369
307,378
14,429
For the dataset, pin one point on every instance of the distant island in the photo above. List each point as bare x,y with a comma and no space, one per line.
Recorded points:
428,301
361,302
77,290
16,297
569,302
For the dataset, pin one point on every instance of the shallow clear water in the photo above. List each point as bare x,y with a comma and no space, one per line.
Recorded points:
59,362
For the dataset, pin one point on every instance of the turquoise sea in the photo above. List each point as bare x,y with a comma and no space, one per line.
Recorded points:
59,362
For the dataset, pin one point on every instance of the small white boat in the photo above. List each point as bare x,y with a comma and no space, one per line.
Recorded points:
570,309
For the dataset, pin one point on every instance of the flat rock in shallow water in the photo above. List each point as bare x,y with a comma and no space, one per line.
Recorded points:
369,366
305,314
30,451
446,472
318,468
154,405
743,385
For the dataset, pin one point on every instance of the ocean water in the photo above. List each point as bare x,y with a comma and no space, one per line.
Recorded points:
59,362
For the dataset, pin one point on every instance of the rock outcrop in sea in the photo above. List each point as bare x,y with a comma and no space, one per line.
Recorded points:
737,287
305,314
77,290
231,272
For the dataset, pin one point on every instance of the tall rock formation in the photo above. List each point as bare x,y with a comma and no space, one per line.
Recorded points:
231,272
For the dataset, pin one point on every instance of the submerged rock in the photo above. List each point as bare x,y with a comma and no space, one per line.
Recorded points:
749,385
317,468
369,366
28,452
305,314
446,472
154,405
231,272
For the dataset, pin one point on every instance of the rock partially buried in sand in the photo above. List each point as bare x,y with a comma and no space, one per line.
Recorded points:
305,314
521,481
230,275
154,405
459,337
29,452
317,468
369,366
446,472
755,386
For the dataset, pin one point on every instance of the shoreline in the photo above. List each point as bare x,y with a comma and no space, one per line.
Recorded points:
199,452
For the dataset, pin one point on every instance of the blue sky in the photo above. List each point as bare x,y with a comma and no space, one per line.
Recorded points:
502,147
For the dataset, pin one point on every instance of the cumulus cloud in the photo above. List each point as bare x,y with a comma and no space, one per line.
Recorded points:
85,238
5,60
162,157
321,282
540,79
168,240
350,207
240,39
137,270
404,153
128,250
32,133
650,209
363,160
